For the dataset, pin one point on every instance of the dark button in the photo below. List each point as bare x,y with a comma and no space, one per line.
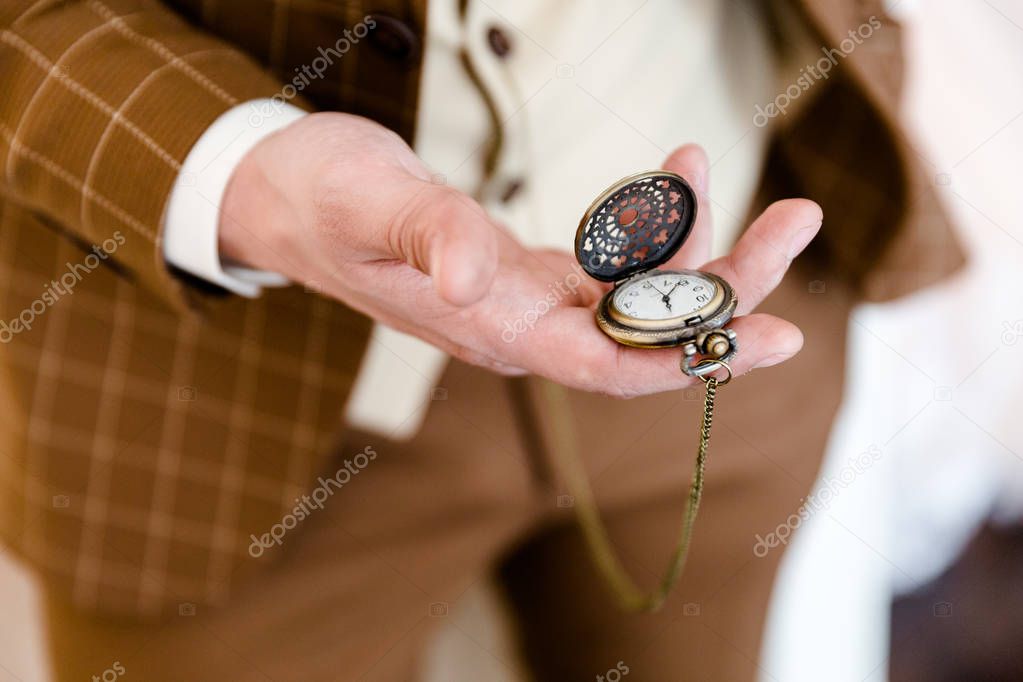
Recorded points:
511,190
499,41
394,38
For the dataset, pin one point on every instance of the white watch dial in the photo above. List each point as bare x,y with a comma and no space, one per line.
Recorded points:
663,295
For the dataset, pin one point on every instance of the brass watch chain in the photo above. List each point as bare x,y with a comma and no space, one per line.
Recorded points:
630,596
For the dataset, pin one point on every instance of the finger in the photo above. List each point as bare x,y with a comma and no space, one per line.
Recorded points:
763,254
448,236
563,274
567,347
690,161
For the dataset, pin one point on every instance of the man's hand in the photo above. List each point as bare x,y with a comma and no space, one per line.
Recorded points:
340,201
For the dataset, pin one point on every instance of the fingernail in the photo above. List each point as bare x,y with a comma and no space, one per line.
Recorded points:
701,182
802,238
772,360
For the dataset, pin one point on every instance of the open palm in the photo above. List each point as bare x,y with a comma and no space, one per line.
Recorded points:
367,222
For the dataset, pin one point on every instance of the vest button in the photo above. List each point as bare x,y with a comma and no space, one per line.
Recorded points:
394,38
499,42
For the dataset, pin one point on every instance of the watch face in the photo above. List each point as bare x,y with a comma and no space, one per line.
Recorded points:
664,298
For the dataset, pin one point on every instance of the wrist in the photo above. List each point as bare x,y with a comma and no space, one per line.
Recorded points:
197,234
237,233
256,224
252,214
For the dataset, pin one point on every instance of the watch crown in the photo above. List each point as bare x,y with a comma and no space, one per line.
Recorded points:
716,345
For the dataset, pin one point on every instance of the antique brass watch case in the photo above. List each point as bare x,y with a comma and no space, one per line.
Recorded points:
635,225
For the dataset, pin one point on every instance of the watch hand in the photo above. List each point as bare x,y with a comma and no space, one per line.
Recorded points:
657,290
666,297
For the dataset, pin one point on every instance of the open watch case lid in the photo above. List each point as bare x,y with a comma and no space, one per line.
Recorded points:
636,224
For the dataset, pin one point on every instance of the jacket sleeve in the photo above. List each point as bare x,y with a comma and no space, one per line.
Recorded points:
102,100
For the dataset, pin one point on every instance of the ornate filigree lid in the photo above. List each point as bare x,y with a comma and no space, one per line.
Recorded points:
636,224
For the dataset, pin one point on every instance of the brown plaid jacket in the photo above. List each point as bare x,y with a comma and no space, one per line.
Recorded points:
150,424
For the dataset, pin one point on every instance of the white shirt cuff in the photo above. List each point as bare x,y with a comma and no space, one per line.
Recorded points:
192,220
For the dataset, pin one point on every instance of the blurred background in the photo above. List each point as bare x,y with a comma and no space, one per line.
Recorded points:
910,571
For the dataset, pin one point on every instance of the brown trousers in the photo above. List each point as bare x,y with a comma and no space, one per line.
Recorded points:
357,588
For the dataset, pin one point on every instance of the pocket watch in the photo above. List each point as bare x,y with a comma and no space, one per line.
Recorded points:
632,227
635,225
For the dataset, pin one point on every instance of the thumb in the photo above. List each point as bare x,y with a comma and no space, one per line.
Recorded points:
448,236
